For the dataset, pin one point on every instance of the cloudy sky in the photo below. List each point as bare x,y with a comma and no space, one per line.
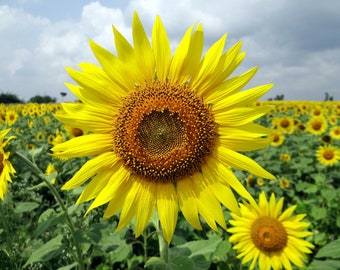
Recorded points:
296,44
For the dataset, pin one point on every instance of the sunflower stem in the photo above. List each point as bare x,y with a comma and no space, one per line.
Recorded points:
163,247
56,195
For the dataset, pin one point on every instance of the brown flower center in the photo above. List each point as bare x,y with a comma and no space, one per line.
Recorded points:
316,125
76,132
328,154
284,123
268,234
163,132
276,138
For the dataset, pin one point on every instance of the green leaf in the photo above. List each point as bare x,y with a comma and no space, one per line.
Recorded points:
182,263
329,195
331,250
68,267
155,263
203,247
48,219
5,260
200,262
22,207
36,151
318,213
49,250
221,251
325,265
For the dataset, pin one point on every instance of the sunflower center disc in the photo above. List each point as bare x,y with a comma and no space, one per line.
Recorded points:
268,234
328,155
163,132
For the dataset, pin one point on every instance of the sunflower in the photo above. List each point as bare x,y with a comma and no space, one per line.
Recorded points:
284,183
6,168
285,124
11,117
165,129
317,125
334,132
328,155
261,233
277,138
285,157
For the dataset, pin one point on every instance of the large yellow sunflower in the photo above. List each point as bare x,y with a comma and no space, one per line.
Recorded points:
262,233
165,129
6,168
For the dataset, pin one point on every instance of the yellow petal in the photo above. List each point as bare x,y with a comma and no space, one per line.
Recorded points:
187,202
90,168
209,64
239,161
96,185
87,145
208,205
243,98
161,49
187,56
225,176
167,208
113,67
144,54
146,204
223,69
99,88
116,188
130,205
230,86
241,116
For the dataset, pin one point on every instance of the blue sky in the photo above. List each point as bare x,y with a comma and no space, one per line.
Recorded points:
296,44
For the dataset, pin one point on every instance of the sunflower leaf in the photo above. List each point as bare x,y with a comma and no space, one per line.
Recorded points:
331,250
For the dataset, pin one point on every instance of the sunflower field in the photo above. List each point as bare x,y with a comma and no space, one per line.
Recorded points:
42,228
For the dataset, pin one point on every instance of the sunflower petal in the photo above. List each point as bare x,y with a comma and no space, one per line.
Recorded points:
187,202
87,145
167,208
161,49
90,168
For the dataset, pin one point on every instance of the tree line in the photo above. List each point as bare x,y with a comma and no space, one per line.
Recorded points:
9,98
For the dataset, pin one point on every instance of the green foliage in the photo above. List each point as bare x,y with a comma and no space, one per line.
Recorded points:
35,233
42,99
8,98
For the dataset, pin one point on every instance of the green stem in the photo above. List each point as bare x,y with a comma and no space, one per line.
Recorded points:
163,246
55,193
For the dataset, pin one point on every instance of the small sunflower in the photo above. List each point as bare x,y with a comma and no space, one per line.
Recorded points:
165,129
11,117
277,138
328,155
285,157
261,233
284,183
334,132
6,168
285,124
317,125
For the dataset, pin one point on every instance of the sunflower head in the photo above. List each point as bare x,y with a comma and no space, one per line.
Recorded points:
328,155
165,128
261,233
